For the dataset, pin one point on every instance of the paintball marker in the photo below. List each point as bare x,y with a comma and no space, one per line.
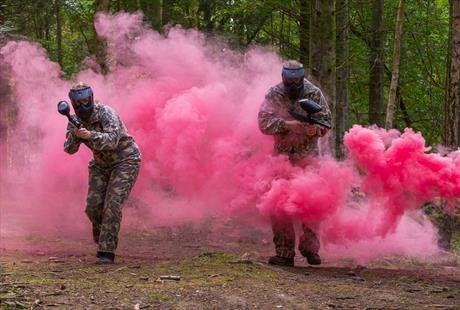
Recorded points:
64,109
310,107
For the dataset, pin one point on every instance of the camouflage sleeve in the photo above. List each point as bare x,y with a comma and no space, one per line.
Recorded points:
72,143
325,114
270,123
110,136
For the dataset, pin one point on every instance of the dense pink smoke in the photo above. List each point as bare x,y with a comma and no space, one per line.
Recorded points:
191,104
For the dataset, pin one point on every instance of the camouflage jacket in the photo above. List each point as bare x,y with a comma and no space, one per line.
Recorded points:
275,111
109,140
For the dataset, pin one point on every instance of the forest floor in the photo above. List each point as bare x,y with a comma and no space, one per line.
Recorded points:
221,270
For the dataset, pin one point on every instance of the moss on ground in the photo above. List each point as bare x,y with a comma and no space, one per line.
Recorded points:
213,280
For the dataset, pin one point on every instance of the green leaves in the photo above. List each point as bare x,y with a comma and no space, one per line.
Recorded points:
275,23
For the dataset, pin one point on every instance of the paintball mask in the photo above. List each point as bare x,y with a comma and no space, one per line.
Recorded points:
82,102
293,81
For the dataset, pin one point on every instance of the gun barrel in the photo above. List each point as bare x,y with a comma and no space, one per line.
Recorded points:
309,106
64,109
74,120
308,119
321,123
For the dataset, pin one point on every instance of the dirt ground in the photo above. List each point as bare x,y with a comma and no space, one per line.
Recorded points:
217,270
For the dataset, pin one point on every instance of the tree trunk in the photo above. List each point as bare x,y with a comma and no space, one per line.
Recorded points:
341,111
376,62
395,68
157,14
58,32
166,12
193,13
2,16
452,122
452,112
304,32
281,33
100,43
259,26
402,106
322,50
153,13
207,6
447,111
8,120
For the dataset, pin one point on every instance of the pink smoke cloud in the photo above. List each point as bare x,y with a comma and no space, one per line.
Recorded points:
191,105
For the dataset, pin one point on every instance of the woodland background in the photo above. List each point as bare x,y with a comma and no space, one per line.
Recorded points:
393,63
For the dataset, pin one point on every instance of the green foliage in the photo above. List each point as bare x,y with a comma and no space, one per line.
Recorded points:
423,66
243,23
423,63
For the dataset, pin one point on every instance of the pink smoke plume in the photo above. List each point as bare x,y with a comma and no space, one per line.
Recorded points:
191,105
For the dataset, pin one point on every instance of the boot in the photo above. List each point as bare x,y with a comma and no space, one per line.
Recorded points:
313,258
281,261
104,258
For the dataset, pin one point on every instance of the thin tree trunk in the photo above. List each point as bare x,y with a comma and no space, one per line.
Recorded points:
452,121
47,28
253,35
194,13
8,118
272,28
376,63
322,50
166,12
341,111
58,32
281,34
403,108
304,32
208,8
157,14
100,43
4,90
2,17
395,67
289,39
153,13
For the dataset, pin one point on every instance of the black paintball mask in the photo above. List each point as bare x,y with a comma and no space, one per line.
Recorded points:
293,82
82,102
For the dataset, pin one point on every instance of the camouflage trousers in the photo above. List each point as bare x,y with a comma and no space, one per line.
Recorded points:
283,227
445,223
108,189
284,238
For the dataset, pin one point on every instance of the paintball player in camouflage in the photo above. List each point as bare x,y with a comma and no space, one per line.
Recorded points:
299,141
113,170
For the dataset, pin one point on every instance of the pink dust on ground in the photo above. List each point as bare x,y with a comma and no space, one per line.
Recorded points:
191,104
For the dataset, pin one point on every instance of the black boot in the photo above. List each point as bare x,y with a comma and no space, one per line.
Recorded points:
313,258
281,261
105,258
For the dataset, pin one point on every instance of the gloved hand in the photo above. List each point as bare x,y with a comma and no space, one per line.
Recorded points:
323,131
294,126
312,130
82,133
